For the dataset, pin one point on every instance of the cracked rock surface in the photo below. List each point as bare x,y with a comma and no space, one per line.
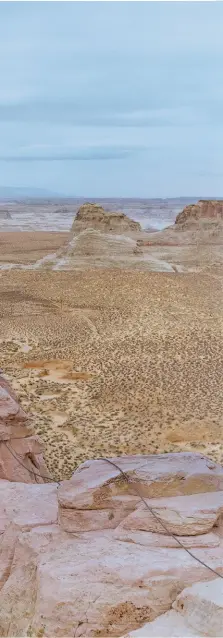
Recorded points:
85,559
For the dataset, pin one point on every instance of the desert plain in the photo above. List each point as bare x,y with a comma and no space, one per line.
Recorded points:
114,360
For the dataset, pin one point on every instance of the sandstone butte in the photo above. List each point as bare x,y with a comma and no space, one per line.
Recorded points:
197,223
203,210
87,558
94,216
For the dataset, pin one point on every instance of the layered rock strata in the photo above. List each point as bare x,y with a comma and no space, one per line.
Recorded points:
203,210
93,248
94,216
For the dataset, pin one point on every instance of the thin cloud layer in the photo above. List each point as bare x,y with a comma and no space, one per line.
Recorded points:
138,84
69,155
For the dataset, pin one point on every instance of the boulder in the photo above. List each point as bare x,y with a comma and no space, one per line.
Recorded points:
182,515
97,496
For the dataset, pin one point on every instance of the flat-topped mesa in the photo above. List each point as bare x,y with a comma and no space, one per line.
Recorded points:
20,450
202,211
94,216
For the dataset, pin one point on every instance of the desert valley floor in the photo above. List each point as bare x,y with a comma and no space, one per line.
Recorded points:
112,361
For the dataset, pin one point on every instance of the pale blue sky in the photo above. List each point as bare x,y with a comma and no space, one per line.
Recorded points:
112,98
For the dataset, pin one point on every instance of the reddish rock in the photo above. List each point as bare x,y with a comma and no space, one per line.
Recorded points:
203,210
21,452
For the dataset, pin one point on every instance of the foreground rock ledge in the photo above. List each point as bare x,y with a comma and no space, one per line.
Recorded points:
88,558
85,560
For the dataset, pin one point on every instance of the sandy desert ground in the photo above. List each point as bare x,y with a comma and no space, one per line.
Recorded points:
112,361
27,247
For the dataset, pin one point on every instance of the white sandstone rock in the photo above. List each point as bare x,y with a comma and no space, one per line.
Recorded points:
150,539
28,504
99,486
182,515
157,476
169,625
102,582
202,606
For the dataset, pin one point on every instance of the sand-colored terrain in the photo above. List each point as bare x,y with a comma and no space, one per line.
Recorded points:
113,361
110,356
27,247
168,251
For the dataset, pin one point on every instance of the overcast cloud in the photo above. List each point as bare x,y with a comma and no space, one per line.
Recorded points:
112,98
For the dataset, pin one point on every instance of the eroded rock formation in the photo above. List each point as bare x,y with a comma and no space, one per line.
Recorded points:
94,216
203,210
20,450
93,248
199,224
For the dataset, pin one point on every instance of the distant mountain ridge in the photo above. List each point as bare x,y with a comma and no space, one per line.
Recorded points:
23,193
14,192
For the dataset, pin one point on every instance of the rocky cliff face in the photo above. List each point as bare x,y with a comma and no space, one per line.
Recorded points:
18,442
89,559
199,224
94,216
203,210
